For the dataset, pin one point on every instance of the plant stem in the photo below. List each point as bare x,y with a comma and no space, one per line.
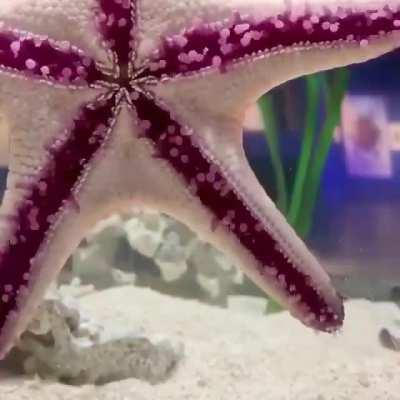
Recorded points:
271,135
313,83
335,93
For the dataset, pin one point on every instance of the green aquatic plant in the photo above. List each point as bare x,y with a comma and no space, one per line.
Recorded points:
298,202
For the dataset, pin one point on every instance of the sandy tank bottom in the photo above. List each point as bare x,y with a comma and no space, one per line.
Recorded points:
238,353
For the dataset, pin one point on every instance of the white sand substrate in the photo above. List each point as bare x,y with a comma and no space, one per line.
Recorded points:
238,353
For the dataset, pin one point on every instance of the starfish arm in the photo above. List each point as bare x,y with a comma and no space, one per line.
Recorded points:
35,56
40,213
236,214
62,21
264,44
116,21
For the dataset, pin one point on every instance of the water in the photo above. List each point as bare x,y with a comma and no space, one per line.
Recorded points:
230,344
144,309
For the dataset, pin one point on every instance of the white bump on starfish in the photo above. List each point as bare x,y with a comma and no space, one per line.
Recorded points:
156,122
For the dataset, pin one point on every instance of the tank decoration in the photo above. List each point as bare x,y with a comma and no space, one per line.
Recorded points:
365,121
389,340
63,343
150,115
297,203
149,249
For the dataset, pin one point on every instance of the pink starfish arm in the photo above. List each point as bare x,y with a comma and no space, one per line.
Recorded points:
34,56
230,219
116,22
45,201
223,44
258,46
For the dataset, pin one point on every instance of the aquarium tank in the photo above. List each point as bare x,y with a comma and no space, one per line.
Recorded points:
200,199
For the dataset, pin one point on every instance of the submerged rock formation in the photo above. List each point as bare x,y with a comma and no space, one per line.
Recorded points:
154,250
62,343
390,337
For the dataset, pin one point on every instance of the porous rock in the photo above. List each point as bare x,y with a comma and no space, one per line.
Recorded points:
62,343
156,251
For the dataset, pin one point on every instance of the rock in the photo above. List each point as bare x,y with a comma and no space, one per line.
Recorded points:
174,248
160,253
387,338
215,274
93,260
145,232
171,249
121,278
211,286
172,271
62,343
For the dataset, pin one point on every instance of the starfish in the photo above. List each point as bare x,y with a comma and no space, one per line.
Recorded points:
119,103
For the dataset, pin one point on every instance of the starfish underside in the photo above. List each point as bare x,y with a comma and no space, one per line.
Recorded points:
150,116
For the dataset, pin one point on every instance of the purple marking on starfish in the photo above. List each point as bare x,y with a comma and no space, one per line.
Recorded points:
116,20
48,196
40,57
181,149
219,45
